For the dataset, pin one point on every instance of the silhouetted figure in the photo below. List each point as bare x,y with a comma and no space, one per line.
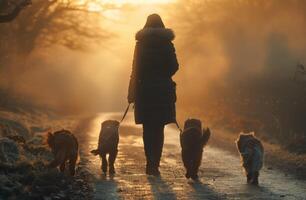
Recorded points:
151,87
64,146
193,139
108,144
251,151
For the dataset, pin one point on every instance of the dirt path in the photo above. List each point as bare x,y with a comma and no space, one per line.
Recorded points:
221,174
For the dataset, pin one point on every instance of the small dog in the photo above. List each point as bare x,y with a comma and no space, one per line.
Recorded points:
64,146
193,139
251,151
108,144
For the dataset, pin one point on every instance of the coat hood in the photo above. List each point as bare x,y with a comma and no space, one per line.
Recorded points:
162,33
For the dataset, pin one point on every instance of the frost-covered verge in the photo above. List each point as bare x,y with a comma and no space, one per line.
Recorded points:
24,157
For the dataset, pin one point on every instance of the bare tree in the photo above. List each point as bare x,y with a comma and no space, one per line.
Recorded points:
9,9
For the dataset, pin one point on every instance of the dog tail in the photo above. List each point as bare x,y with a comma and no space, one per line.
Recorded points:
205,136
95,152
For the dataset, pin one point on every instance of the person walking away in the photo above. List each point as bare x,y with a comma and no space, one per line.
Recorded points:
151,87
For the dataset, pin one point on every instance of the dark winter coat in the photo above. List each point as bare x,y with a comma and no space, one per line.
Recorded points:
151,87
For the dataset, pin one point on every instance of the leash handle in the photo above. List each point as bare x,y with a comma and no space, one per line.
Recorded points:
126,110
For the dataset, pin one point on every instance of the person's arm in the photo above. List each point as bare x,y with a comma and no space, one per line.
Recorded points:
173,64
132,84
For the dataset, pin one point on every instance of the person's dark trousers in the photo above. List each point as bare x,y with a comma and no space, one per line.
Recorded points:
153,139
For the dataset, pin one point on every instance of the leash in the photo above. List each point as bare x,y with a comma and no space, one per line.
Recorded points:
126,111
178,126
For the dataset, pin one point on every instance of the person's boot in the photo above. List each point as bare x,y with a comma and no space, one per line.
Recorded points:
149,170
152,169
155,171
155,163
194,174
112,169
149,167
188,174
194,177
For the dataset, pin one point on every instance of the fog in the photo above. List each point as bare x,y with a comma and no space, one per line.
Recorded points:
235,41
237,57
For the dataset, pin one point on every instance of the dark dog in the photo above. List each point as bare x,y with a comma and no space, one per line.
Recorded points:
64,145
251,151
193,140
108,144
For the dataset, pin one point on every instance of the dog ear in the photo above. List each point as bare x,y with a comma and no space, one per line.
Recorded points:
206,135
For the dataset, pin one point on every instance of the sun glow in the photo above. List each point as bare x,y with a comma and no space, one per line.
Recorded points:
99,5
123,2
137,1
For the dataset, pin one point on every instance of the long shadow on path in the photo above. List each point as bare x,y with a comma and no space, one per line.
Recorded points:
160,189
203,191
106,188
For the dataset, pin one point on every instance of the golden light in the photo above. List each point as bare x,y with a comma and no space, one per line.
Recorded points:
98,5
121,2
136,1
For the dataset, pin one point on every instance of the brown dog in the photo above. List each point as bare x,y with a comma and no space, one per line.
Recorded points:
108,144
64,145
193,140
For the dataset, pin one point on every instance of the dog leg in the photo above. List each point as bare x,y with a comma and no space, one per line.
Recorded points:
62,166
59,158
196,164
72,163
111,161
187,163
104,163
